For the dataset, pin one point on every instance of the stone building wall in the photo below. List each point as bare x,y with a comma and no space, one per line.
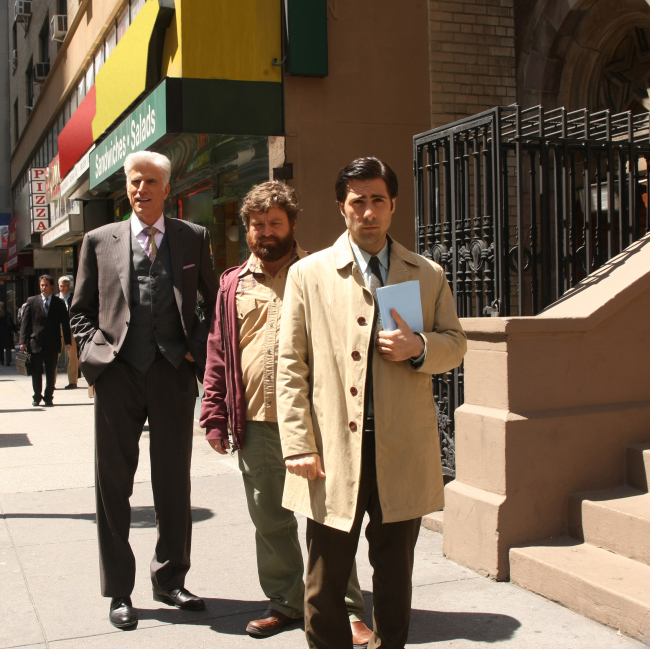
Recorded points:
472,57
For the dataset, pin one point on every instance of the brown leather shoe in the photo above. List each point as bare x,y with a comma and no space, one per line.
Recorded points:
270,623
361,635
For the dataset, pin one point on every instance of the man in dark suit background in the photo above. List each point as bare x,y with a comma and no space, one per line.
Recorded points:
73,362
142,345
44,317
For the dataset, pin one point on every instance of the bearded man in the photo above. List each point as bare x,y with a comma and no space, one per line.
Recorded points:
239,388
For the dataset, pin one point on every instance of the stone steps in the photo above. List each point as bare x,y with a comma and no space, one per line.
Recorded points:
617,520
602,570
604,586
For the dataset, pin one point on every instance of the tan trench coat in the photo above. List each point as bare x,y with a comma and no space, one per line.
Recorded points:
327,317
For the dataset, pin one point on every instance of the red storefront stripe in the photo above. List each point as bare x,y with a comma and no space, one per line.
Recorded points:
77,136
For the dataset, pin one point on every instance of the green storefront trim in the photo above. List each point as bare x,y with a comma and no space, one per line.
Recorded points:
307,37
210,106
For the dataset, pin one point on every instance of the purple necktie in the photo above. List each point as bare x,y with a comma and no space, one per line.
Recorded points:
150,246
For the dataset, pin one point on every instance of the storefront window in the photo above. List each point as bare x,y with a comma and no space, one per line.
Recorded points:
210,176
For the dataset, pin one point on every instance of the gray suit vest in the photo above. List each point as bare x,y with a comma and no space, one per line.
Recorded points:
155,322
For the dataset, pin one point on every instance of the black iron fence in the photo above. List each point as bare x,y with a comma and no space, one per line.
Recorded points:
518,206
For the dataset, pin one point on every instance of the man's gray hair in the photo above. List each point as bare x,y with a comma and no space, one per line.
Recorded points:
150,157
65,279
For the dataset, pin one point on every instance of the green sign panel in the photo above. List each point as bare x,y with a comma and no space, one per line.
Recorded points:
144,126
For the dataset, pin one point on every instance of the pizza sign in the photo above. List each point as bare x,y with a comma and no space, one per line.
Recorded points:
40,225
38,199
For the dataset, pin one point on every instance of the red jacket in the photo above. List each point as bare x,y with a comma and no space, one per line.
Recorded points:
224,402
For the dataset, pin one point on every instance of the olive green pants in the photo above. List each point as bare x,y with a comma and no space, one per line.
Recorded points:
279,557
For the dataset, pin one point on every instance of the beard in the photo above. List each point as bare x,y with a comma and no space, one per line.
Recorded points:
271,248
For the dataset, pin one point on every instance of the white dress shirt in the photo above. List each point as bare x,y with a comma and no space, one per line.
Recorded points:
137,227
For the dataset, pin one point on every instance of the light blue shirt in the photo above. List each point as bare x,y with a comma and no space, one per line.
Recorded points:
363,261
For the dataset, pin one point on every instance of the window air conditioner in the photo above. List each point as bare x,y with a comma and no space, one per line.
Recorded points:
41,70
58,27
23,11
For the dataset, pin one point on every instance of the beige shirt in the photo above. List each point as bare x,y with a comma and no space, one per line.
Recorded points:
259,306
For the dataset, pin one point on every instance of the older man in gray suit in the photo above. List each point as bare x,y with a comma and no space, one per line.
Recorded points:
142,345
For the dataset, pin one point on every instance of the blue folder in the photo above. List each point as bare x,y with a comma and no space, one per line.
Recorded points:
405,299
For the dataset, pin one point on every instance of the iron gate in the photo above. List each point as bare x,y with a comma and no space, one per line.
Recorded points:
518,206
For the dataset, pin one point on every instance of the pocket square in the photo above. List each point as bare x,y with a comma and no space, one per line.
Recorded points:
189,266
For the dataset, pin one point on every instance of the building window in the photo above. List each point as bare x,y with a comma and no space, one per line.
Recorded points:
136,5
62,7
99,60
90,77
110,42
123,23
44,40
29,79
81,90
16,126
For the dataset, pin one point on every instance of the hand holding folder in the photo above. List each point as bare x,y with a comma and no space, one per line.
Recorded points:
405,299
401,301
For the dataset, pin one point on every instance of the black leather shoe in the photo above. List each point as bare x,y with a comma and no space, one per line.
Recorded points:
36,402
180,598
48,403
122,614
71,386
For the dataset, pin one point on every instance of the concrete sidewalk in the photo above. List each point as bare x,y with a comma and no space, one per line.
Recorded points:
49,576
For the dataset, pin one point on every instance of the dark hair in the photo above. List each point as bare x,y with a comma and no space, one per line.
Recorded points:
365,169
47,278
267,195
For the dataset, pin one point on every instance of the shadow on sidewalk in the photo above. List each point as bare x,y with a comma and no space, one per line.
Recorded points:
225,616
230,617
441,626
12,440
141,517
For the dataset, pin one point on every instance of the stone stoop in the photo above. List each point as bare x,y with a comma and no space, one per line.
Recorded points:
602,570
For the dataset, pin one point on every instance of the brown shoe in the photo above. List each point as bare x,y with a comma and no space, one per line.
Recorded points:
361,635
270,623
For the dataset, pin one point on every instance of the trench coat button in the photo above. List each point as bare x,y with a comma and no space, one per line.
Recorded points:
354,391
361,320
353,426
356,355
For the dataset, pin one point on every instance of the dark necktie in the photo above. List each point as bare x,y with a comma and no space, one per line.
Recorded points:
375,278
46,305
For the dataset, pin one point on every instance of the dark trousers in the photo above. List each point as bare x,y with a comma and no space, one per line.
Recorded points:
331,555
5,353
124,399
48,359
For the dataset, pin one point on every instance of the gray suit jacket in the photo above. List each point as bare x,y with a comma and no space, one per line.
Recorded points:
99,315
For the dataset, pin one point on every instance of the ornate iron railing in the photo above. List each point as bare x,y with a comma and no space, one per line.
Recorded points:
519,205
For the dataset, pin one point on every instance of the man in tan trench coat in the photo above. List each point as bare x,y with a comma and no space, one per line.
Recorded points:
356,411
